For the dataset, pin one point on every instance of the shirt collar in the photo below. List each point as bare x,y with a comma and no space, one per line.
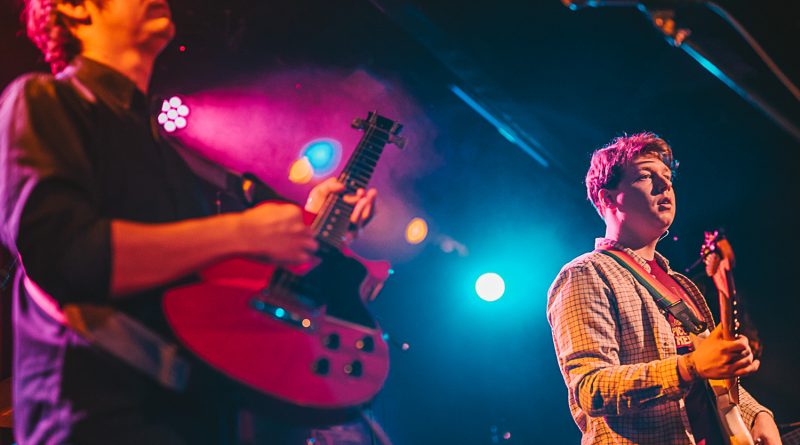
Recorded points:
110,86
660,259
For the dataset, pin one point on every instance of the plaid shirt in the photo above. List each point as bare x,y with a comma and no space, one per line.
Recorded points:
618,356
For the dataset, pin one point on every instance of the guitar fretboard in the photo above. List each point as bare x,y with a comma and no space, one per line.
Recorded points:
333,222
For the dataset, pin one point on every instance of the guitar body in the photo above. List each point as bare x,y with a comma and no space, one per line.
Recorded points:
733,429
302,350
301,335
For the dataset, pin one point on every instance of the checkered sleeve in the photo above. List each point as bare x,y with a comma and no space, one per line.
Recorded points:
750,407
583,316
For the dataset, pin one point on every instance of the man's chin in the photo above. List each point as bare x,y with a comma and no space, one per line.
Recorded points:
665,225
160,32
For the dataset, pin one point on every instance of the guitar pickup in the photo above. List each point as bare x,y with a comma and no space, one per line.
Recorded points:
284,314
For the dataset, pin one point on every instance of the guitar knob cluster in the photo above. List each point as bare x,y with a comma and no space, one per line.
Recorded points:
331,341
366,344
321,366
354,369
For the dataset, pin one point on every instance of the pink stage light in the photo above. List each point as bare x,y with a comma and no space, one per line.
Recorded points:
173,114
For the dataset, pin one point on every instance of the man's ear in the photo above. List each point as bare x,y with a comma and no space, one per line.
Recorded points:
607,198
76,13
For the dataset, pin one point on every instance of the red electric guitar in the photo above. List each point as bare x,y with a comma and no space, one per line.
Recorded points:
719,261
301,335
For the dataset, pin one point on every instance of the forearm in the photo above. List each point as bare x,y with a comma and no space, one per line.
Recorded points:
750,407
622,389
149,255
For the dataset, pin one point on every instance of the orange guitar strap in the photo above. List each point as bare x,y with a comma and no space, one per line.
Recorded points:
665,299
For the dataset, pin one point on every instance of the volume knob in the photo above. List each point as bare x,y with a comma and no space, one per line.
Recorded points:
321,366
366,344
331,341
354,369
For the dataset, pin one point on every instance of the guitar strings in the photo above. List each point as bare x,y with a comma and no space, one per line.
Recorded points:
283,278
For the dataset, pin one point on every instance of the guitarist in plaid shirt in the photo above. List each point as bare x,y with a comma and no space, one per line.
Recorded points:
632,375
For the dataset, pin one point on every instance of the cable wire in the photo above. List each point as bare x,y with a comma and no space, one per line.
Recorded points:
722,12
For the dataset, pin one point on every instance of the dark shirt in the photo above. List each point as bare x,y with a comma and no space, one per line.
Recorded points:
76,152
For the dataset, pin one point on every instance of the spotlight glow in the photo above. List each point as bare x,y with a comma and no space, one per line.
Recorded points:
323,154
301,171
416,231
490,286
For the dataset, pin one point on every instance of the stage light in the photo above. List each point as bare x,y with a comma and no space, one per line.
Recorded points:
173,114
301,171
416,231
490,286
323,154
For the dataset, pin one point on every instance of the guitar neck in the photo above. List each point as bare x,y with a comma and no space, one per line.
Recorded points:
333,221
727,307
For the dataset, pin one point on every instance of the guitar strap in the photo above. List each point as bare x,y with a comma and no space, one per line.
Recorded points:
666,300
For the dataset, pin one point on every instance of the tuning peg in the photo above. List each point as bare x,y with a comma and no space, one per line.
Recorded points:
399,141
358,123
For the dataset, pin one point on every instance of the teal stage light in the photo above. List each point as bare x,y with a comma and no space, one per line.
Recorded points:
490,286
324,155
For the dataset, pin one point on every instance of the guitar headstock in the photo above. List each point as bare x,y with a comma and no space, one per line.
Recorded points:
374,121
716,252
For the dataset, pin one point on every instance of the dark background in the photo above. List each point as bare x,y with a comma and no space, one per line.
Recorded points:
570,81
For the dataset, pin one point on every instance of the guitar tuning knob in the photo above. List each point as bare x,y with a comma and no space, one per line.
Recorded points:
358,123
398,141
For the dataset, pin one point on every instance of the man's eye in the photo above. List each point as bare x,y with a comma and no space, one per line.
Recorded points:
644,177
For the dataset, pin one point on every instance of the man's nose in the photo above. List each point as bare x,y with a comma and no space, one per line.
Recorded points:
662,184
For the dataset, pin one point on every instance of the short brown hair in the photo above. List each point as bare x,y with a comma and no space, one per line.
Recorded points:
605,169
48,30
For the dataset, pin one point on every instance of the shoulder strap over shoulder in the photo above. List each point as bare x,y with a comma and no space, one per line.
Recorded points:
665,299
